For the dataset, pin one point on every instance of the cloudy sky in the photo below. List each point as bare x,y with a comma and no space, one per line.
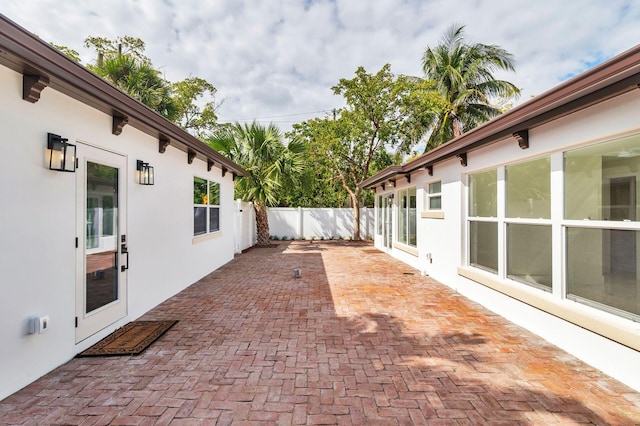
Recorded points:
276,60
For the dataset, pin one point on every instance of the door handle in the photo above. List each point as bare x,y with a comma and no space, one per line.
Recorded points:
124,250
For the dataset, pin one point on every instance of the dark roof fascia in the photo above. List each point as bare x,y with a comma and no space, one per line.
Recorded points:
619,75
387,174
27,54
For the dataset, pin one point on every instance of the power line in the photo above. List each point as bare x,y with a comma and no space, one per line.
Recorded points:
280,116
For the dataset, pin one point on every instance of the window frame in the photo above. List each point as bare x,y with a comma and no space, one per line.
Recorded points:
571,222
503,221
558,223
606,320
471,221
531,220
209,205
432,195
407,219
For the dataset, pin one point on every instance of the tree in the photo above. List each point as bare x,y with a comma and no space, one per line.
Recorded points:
270,164
189,115
122,63
383,113
463,75
141,81
122,45
71,53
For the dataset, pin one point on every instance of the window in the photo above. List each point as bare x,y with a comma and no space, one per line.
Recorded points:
526,222
599,275
433,196
601,225
206,209
529,189
483,241
483,225
529,254
600,181
483,194
560,230
528,198
407,216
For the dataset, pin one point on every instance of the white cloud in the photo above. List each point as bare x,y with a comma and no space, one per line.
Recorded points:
278,58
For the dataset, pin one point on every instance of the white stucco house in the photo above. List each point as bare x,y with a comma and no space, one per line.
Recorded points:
536,215
107,208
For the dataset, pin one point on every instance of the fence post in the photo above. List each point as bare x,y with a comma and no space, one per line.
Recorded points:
237,224
365,218
300,224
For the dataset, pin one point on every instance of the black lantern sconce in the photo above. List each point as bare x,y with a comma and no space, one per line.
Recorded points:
61,154
145,173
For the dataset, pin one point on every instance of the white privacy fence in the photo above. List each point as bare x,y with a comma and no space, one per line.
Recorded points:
244,226
301,223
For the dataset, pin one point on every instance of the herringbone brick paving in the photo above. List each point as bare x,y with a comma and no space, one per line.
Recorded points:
358,339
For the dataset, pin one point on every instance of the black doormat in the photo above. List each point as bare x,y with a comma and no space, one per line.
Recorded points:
131,339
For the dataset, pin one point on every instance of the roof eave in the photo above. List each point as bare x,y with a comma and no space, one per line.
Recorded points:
27,54
619,75
385,175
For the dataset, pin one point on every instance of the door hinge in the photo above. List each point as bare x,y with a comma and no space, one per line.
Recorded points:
76,242
76,322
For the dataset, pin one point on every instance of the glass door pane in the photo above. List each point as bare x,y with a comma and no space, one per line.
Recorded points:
101,284
388,204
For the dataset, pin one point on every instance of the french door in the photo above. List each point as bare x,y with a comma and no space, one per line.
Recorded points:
387,220
102,258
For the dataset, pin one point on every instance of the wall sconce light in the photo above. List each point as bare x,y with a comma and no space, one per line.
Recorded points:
145,173
62,155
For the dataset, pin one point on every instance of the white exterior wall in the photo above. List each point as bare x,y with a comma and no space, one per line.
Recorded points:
38,228
446,241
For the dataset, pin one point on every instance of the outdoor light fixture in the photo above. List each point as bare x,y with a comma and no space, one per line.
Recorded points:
145,173
61,154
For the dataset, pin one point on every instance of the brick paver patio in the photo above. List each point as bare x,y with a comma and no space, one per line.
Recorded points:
358,339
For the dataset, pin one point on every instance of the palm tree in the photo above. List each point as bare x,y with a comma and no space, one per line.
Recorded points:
271,166
463,74
139,79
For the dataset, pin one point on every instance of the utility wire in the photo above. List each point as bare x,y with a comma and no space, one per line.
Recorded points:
280,116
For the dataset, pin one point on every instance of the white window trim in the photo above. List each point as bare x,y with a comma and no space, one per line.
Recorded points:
616,327
433,214
205,237
397,225
406,248
427,212
207,211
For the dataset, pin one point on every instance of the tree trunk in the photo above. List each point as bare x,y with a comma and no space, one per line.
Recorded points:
356,214
262,225
456,126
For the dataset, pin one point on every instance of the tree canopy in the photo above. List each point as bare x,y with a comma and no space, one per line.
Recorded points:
463,74
198,120
122,61
384,118
383,113
271,165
